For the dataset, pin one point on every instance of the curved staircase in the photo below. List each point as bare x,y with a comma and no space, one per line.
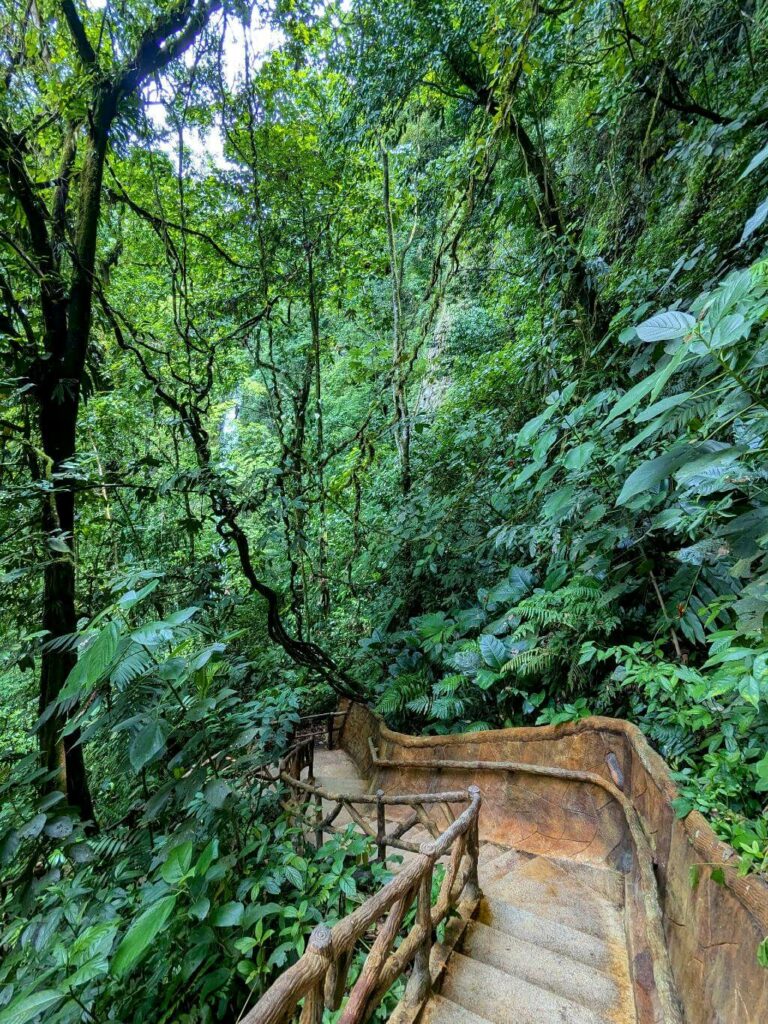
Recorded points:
547,943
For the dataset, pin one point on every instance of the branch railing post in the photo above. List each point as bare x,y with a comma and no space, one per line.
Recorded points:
472,886
320,945
381,827
420,981
318,819
329,726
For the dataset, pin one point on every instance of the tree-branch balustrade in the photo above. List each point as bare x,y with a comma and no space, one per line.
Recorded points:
319,977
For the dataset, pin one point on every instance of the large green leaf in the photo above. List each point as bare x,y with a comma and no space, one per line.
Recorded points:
177,863
754,221
147,742
652,385
228,915
28,1008
710,466
755,162
578,457
92,663
140,935
666,326
649,474
493,651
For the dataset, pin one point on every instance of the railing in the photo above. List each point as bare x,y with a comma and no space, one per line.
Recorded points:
325,723
320,976
308,797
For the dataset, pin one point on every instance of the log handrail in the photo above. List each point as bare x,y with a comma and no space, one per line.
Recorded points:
319,976
301,756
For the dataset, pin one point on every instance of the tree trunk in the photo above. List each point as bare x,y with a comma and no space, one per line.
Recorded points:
58,407
322,547
399,394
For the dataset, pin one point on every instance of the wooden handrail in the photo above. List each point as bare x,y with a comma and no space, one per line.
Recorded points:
454,796
301,756
319,976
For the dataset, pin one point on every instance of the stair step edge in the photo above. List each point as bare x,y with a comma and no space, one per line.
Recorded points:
439,1010
503,912
522,1001
562,975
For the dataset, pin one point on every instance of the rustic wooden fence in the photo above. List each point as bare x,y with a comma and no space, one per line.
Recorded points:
320,976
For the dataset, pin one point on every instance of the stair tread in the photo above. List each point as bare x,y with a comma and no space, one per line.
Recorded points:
502,997
574,980
573,876
440,1010
552,935
596,918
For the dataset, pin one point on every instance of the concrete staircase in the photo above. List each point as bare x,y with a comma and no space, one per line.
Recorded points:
547,945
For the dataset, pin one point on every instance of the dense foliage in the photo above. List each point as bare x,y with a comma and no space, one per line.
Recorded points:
413,350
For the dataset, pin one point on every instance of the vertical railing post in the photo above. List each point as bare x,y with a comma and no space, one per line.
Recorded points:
321,945
318,818
420,982
329,726
472,887
381,826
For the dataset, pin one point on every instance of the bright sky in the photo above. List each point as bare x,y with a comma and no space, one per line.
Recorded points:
262,38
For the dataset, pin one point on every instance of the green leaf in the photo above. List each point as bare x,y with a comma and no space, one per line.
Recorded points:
228,915
663,375
200,908
666,326
92,663
718,876
652,384
578,457
139,936
216,792
27,1008
662,406
560,503
177,863
762,953
209,854
147,742
694,875
493,651
710,465
755,162
754,221
649,474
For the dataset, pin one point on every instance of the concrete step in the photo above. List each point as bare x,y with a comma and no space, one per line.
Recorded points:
344,785
574,875
334,762
549,934
488,853
580,899
540,966
443,1011
502,998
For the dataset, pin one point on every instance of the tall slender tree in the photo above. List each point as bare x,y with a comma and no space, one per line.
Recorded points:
58,245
